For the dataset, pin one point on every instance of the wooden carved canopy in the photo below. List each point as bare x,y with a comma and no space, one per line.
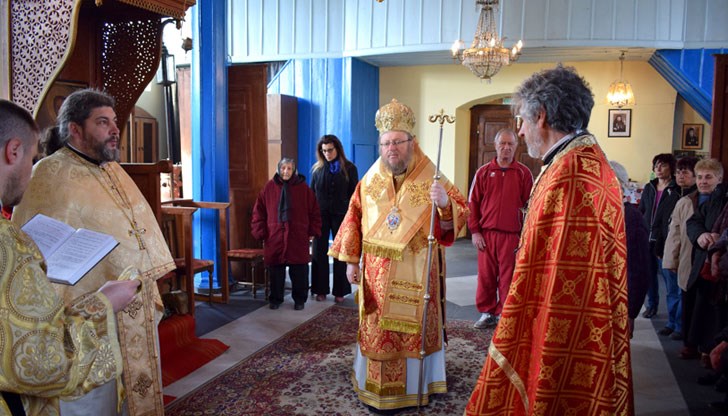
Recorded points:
57,46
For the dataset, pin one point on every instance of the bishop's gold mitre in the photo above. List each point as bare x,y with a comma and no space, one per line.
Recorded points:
395,116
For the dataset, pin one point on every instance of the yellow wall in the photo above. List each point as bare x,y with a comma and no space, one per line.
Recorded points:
453,88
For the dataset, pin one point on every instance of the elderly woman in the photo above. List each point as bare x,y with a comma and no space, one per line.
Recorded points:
286,217
703,317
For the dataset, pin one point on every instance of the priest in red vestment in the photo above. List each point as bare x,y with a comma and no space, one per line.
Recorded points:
562,344
386,228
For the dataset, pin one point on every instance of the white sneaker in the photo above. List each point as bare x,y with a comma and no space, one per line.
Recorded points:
484,321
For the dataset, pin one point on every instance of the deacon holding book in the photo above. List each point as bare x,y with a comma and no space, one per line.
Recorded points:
562,343
49,348
82,185
386,229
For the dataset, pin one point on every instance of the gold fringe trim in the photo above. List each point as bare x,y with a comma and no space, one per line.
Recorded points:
407,285
407,300
383,252
394,389
399,326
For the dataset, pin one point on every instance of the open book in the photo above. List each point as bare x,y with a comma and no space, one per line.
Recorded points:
69,253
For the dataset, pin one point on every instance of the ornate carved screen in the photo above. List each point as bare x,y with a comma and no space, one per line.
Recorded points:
61,45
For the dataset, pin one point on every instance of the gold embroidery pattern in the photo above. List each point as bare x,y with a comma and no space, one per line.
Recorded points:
133,308
622,366
376,186
418,242
609,215
418,193
579,243
496,397
602,294
135,347
506,328
103,365
539,408
587,199
547,371
408,300
590,165
558,330
142,385
569,288
617,264
406,285
583,374
595,335
39,359
574,411
548,243
621,315
553,202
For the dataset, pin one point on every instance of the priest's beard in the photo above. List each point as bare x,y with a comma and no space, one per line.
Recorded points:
107,154
400,167
534,147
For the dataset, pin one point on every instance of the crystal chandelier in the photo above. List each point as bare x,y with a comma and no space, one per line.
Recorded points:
486,55
620,92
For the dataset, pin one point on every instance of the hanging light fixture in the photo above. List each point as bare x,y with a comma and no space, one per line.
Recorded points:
486,55
620,92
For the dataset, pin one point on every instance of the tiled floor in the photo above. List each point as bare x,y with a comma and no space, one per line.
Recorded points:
656,390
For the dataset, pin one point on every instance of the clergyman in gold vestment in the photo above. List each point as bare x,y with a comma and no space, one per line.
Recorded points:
82,185
49,349
386,227
562,344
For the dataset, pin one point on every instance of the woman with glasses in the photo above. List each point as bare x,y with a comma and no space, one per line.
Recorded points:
333,180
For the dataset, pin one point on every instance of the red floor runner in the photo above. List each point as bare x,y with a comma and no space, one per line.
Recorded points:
181,351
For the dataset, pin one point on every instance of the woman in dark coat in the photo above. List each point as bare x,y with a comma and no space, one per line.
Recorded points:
286,216
333,180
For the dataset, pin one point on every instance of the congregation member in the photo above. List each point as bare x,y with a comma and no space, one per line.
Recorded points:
656,204
286,218
562,343
704,311
333,181
499,191
677,255
83,185
639,266
386,229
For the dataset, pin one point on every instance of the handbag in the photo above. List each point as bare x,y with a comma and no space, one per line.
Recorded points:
706,273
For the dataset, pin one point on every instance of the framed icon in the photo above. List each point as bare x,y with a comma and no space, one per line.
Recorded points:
692,136
58,92
620,122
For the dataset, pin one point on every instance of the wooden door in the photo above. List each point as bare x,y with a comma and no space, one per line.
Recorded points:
485,121
248,143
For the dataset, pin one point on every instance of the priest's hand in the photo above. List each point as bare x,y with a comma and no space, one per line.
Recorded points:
352,273
120,292
438,195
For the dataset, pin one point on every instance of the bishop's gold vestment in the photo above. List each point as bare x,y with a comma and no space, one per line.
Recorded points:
49,349
562,345
68,187
388,223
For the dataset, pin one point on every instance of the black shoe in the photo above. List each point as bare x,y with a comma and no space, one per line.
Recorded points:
677,336
298,306
665,331
275,305
650,312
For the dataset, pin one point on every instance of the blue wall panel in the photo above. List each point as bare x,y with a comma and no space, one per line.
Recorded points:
335,96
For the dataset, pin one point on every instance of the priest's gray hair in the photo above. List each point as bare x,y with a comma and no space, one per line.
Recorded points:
561,93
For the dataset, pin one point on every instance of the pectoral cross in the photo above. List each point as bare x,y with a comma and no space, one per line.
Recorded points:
137,232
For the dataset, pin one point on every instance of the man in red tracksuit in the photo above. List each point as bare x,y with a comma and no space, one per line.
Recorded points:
498,192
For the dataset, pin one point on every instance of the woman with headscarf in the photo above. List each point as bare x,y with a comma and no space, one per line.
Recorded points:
286,217
333,180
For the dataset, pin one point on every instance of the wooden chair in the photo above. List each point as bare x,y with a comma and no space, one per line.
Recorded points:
146,176
201,265
253,257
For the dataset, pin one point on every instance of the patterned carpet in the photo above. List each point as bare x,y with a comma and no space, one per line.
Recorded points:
307,372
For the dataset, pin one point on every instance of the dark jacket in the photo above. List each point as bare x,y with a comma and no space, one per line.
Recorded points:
701,222
639,265
659,221
286,242
333,191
